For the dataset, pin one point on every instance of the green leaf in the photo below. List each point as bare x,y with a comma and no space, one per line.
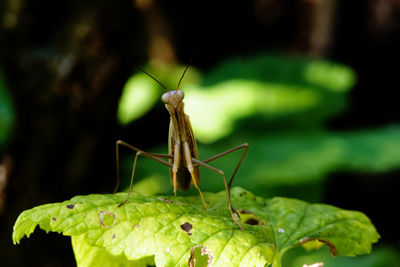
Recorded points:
87,255
175,230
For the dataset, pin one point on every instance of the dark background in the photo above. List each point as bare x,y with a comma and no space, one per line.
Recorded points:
65,63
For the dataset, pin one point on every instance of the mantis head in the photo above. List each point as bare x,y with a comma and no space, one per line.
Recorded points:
173,98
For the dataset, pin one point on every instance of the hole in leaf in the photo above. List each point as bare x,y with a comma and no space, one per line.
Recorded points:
70,206
310,243
250,218
200,257
107,219
318,264
54,218
252,221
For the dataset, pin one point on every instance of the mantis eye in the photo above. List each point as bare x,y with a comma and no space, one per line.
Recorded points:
166,97
179,95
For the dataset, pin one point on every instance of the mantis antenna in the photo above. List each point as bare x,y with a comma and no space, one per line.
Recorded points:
183,74
162,85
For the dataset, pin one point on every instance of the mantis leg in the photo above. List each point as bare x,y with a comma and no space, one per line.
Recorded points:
234,214
190,167
227,185
245,147
155,156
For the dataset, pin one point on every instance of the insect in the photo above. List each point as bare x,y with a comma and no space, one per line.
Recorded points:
182,158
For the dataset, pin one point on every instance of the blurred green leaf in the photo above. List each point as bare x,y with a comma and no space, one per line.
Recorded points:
380,257
138,96
282,91
284,69
7,114
213,112
329,75
289,159
153,226
279,90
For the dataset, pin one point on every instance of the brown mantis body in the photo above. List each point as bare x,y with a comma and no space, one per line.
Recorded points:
183,160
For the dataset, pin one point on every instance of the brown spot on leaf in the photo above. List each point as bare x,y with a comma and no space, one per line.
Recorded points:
70,206
187,227
114,236
331,246
136,225
102,218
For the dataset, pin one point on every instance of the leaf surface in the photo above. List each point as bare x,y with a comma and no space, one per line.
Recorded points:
171,228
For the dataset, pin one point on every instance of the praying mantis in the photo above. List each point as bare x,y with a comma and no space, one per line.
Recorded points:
182,158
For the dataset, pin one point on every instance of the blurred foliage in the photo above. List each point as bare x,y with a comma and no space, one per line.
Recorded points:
141,100
380,257
277,104
280,91
290,159
7,116
277,91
